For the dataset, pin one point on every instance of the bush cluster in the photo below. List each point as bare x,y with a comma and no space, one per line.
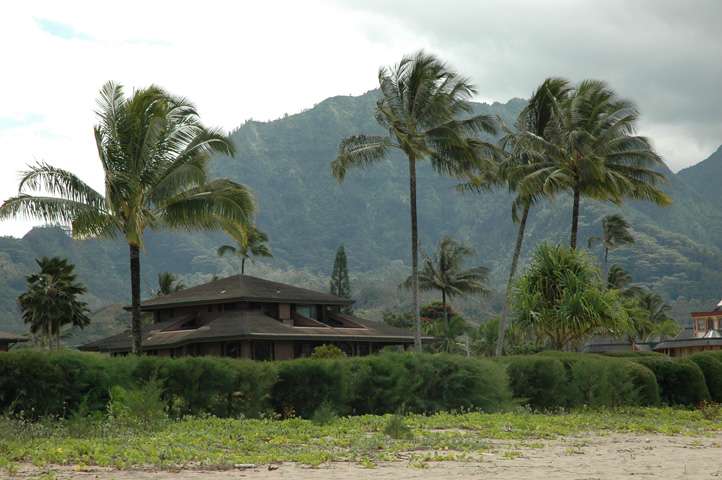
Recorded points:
36,384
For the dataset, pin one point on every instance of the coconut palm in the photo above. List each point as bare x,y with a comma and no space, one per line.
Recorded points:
591,150
655,320
445,272
51,300
251,243
421,109
523,159
616,233
155,154
167,283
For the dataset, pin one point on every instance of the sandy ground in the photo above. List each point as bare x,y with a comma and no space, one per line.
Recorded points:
586,457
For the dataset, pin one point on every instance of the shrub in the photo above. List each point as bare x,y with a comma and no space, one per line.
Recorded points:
539,381
712,370
327,352
680,380
304,384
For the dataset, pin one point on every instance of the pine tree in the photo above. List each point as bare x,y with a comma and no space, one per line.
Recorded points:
340,284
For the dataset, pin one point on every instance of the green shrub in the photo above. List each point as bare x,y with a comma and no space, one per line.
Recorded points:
396,427
199,385
304,384
252,385
680,380
141,408
378,384
444,382
711,367
539,381
327,352
324,415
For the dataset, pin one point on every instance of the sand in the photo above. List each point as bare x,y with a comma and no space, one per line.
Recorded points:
583,457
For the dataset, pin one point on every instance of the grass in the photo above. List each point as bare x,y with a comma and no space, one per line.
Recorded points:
220,443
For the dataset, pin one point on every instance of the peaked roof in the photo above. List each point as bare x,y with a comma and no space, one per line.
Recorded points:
243,288
11,337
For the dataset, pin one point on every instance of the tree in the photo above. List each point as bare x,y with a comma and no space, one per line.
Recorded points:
522,160
616,233
340,284
167,283
251,243
654,320
51,300
445,272
155,155
591,151
421,110
560,298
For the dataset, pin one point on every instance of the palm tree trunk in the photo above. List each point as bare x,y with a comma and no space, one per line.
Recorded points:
57,336
243,265
135,299
575,215
443,299
414,255
605,283
510,282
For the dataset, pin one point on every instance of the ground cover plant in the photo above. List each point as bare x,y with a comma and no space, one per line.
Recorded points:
209,442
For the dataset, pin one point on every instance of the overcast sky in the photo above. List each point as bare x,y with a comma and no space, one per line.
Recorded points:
238,60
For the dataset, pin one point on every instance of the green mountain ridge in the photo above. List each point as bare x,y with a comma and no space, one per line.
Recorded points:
308,214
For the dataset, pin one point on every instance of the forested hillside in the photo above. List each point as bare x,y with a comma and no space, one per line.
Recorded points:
678,253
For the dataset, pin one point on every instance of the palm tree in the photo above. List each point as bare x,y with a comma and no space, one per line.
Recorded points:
421,110
445,272
523,159
591,150
50,302
167,283
251,243
616,233
655,320
155,154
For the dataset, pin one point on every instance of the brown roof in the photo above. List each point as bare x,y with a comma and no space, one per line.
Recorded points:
11,337
243,288
250,325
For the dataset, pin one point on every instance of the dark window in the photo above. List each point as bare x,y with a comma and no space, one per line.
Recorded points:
262,350
346,349
306,310
271,310
232,350
363,349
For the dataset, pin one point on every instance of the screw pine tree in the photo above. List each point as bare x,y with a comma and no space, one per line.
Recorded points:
340,284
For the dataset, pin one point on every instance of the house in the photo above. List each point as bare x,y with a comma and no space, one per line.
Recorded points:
7,340
247,317
705,334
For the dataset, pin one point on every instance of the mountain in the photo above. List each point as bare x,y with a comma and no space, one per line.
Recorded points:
308,214
704,178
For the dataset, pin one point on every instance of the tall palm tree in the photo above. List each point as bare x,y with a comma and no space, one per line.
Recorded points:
616,233
155,153
51,300
421,109
251,243
592,151
655,320
445,272
524,159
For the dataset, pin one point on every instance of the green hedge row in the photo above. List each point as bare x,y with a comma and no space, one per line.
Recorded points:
35,383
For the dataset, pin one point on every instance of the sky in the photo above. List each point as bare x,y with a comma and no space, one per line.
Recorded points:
241,60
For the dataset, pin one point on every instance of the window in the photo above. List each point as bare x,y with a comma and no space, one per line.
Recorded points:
306,310
231,349
262,350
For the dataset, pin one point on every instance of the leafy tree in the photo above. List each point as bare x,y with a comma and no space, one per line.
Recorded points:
51,300
616,233
167,283
591,150
620,279
421,110
560,297
445,272
155,155
251,243
340,284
